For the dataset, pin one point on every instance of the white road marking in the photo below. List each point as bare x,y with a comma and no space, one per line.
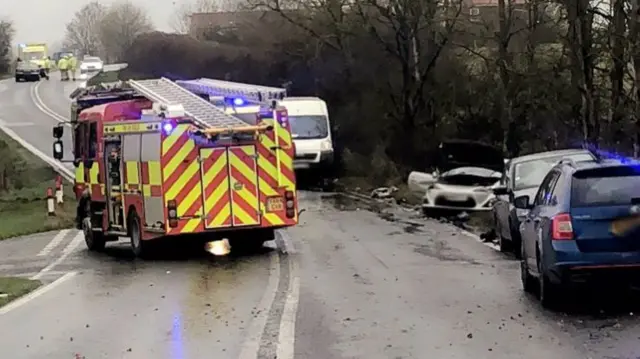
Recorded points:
37,101
65,253
17,124
287,333
67,174
64,171
251,345
35,294
54,243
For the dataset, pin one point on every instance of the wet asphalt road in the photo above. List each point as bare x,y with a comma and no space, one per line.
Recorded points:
345,283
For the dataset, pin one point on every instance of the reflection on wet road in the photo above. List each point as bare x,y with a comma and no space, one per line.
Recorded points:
351,281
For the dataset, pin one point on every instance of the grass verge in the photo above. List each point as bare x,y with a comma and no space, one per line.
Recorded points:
24,180
12,288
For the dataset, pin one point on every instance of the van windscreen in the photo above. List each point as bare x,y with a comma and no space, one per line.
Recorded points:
309,127
609,186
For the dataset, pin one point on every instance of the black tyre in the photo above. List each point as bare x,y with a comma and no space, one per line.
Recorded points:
515,241
18,79
139,247
550,293
95,240
529,283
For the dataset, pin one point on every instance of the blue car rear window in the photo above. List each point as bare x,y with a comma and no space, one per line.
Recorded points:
606,187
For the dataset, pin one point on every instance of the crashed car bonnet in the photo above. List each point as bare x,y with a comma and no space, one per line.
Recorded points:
466,172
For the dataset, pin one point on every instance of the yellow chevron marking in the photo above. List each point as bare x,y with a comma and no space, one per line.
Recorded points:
250,175
221,190
194,194
218,220
243,216
282,156
173,138
192,225
190,171
177,159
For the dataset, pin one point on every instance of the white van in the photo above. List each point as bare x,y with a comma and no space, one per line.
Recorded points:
311,131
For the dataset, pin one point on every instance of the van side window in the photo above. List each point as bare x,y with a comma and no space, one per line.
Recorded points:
93,140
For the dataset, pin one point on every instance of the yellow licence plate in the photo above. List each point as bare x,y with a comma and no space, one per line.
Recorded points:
622,226
275,204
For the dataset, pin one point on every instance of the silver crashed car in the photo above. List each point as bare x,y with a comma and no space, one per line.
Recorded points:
466,173
523,176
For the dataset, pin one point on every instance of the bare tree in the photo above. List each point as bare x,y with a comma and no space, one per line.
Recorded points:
580,42
6,36
83,31
181,23
122,23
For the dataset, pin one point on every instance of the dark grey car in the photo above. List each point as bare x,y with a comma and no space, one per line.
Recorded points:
522,176
27,71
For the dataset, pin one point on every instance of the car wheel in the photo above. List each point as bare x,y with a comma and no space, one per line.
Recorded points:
95,240
139,247
529,284
515,241
549,293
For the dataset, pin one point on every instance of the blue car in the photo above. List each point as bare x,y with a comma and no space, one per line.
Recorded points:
583,227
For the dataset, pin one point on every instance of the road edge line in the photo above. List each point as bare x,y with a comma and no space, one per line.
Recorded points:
36,293
251,346
65,172
287,332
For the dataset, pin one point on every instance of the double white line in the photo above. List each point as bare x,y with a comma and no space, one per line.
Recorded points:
37,100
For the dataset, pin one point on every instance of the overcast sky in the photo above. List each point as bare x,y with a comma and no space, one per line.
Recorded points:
44,20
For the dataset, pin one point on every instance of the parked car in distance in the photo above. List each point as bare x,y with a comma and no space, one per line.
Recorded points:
89,66
27,71
466,172
582,228
522,176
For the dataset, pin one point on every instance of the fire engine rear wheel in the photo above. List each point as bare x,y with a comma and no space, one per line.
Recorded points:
138,246
95,240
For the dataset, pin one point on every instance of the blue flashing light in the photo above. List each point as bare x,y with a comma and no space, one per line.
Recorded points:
167,127
238,102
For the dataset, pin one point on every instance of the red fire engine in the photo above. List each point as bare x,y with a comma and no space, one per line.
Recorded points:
153,159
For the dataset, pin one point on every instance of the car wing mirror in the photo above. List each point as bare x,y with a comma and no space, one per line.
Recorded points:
522,202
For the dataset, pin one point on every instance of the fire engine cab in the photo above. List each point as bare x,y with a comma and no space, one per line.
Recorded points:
153,160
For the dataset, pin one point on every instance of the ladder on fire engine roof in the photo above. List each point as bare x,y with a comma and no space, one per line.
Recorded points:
166,92
251,93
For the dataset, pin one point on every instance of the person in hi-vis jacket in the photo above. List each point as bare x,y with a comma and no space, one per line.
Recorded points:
63,66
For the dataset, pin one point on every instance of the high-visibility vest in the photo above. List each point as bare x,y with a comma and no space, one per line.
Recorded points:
63,64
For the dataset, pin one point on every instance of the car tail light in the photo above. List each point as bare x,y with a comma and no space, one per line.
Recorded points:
172,213
562,228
